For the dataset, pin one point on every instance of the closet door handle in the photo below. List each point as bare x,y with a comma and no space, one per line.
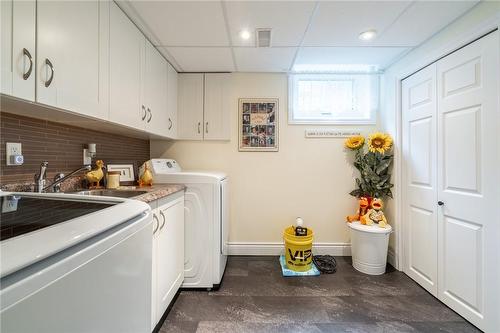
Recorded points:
206,127
143,112
199,128
440,203
164,220
28,55
170,123
150,115
49,81
157,223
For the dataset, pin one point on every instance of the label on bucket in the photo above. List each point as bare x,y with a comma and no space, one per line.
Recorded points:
300,258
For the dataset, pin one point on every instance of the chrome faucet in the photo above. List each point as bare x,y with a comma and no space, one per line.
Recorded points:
41,177
60,177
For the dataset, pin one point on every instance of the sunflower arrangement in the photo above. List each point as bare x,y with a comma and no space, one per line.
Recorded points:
373,164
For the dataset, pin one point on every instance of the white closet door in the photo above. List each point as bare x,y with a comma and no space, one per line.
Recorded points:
419,177
469,182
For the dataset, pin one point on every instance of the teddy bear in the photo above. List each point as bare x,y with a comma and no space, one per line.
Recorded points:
363,208
375,214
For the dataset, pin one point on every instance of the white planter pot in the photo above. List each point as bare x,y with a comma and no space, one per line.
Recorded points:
369,247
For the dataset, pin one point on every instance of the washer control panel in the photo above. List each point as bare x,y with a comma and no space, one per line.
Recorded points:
161,166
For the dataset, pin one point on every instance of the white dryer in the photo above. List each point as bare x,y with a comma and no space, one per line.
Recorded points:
206,221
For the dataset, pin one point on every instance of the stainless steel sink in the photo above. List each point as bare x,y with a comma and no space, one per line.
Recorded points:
112,193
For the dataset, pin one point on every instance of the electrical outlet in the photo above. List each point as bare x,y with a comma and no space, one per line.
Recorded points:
14,154
9,204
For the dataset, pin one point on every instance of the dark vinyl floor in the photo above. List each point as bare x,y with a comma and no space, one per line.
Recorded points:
254,297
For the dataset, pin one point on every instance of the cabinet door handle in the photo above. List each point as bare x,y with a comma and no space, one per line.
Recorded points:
199,130
49,81
157,223
28,55
206,127
164,220
150,115
143,112
440,203
170,123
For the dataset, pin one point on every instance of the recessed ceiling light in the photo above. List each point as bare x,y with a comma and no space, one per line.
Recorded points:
245,34
368,34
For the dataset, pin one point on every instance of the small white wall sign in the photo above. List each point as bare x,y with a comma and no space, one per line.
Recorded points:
330,133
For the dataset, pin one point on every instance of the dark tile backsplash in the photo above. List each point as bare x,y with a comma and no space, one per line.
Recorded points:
61,145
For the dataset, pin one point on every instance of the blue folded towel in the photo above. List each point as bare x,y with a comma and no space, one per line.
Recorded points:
288,272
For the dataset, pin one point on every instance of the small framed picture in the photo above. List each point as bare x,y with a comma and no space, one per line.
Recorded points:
258,124
127,172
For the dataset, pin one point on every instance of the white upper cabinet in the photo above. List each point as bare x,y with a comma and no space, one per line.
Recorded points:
155,92
18,48
73,56
127,54
204,109
217,107
90,60
190,115
172,101
138,78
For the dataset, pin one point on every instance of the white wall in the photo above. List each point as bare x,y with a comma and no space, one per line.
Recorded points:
471,23
310,178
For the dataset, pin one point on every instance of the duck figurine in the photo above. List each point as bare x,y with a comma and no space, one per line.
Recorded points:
146,179
94,177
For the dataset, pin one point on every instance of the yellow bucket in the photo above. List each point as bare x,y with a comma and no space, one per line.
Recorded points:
298,250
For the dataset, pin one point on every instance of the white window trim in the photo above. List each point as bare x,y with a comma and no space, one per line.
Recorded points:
319,122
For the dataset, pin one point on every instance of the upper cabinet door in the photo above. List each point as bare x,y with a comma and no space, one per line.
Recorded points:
127,57
172,101
155,91
18,48
73,56
217,107
190,112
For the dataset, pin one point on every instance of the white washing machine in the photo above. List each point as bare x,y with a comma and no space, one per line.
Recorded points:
206,221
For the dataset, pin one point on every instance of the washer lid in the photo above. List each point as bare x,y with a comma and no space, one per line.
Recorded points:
374,228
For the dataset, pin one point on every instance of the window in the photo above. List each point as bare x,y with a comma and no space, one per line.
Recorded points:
333,98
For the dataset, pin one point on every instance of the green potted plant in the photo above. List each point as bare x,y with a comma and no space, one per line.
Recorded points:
370,235
373,161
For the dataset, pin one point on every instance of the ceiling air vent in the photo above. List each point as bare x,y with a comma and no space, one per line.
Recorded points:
263,37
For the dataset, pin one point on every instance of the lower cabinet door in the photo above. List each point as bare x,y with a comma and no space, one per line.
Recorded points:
154,261
170,253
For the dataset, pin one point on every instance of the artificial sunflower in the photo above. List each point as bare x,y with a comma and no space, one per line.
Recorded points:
379,142
355,142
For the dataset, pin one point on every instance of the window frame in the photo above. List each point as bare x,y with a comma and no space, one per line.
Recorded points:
292,78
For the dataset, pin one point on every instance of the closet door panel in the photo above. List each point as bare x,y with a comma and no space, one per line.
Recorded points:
419,174
468,181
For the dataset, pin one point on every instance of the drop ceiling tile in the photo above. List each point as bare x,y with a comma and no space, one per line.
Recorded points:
203,59
381,56
272,59
288,20
422,20
338,23
184,23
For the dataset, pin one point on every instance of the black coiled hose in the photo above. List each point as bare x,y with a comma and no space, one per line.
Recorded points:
326,264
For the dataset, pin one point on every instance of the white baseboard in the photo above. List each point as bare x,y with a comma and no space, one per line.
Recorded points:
277,248
391,258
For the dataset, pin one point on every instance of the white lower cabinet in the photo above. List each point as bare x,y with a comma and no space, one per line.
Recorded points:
168,254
